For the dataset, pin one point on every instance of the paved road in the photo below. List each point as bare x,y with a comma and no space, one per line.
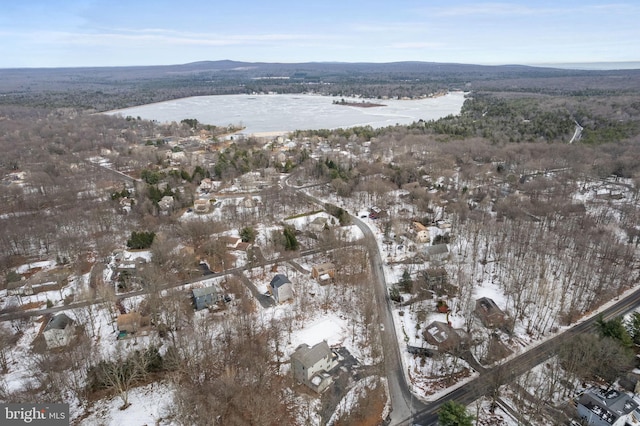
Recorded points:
403,403
519,365
12,315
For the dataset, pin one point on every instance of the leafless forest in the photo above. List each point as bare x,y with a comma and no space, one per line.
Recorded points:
505,172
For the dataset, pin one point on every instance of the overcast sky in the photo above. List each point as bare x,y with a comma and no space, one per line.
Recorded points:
51,33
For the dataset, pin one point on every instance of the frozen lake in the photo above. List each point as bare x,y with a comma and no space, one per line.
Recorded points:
284,113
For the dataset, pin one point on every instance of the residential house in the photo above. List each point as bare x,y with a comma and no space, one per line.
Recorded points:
318,224
19,288
235,243
165,205
201,206
281,288
311,365
323,271
445,337
59,331
376,213
231,242
248,202
205,185
489,313
607,408
205,297
126,203
421,233
438,252
129,323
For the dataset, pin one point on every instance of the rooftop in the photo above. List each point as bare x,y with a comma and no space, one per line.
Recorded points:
279,280
309,356
59,322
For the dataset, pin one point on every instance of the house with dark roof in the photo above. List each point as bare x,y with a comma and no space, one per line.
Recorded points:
311,365
445,337
489,313
59,331
281,288
607,408
205,297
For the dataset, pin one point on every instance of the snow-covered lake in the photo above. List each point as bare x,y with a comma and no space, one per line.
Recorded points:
283,113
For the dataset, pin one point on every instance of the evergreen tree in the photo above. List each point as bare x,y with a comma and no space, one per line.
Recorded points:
290,240
248,234
453,414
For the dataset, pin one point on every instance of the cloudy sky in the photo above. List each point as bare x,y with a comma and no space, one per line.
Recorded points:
47,33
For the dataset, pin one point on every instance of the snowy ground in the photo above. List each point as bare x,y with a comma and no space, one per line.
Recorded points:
314,323
150,405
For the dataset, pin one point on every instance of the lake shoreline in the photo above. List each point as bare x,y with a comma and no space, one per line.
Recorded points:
280,114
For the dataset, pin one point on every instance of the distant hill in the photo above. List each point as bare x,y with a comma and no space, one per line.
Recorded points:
12,77
103,88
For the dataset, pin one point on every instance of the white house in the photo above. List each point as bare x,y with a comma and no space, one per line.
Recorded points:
281,288
58,331
311,365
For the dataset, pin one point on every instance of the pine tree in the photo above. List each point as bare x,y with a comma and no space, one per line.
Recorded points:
453,414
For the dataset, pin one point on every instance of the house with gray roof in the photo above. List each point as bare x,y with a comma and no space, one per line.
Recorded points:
311,365
281,288
436,252
607,408
205,297
59,331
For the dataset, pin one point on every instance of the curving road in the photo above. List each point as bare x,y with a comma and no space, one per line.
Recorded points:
403,403
407,409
